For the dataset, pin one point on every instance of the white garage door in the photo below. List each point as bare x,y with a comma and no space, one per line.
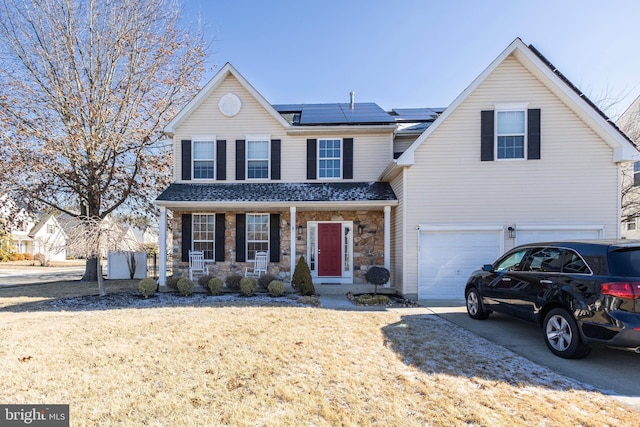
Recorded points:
544,234
447,258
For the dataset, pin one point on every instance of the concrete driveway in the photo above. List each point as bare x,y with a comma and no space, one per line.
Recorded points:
612,372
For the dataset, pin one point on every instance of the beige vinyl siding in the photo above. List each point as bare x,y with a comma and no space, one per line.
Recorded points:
397,230
575,181
372,152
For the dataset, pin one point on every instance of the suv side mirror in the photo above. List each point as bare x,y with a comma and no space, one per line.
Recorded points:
487,267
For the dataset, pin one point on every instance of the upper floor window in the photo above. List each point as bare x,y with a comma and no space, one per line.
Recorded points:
510,134
636,174
49,228
329,158
257,234
258,159
204,159
204,234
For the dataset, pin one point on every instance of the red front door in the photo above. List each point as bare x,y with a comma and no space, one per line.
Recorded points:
330,249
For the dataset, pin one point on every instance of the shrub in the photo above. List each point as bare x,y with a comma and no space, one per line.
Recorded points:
233,281
276,288
215,286
28,257
185,287
204,280
377,276
368,299
265,279
16,257
147,287
172,282
248,286
302,278
40,258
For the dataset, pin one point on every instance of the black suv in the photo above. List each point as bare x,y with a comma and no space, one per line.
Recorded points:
581,292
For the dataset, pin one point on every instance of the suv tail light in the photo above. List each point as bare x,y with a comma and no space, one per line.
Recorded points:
627,290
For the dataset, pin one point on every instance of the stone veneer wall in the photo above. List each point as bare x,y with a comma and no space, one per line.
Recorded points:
368,247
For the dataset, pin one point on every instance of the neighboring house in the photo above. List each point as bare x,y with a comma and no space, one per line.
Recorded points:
629,122
431,194
42,236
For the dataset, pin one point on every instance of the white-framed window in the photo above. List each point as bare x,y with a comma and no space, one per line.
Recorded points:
258,158
636,174
330,158
257,234
631,225
50,228
204,231
204,158
511,134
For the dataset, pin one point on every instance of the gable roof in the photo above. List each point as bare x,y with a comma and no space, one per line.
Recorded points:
623,148
211,86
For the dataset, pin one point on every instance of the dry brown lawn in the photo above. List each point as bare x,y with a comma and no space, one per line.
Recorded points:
242,364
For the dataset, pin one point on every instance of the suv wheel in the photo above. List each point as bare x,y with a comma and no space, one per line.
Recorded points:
475,309
562,335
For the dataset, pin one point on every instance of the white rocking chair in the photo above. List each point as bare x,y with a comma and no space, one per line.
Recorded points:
197,264
259,266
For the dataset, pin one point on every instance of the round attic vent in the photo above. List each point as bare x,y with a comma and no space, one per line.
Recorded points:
230,104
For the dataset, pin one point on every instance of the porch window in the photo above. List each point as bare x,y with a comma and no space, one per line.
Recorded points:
329,158
257,234
204,232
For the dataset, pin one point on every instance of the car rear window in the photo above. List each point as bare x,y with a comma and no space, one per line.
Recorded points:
625,262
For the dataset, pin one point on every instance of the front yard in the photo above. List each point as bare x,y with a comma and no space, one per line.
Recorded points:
241,361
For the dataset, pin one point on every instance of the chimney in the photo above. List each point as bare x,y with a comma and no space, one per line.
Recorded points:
352,96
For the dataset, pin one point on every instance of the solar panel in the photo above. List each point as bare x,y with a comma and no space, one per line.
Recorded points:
362,113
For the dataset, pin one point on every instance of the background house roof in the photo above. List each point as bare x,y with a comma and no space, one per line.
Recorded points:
279,192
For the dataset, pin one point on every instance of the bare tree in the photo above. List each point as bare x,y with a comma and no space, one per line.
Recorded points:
85,89
629,123
94,238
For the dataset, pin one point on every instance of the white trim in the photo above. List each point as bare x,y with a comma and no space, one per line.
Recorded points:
254,139
194,160
347,275
162,248
511,106
246,234
292,239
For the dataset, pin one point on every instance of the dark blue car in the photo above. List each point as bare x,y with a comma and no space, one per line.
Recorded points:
582,293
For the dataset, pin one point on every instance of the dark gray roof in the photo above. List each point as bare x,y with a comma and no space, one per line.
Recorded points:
363,113
279,192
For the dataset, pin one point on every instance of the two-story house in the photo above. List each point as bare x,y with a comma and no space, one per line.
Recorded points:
431,194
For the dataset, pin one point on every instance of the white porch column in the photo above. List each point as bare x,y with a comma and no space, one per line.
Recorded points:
387,240
292,235
162,248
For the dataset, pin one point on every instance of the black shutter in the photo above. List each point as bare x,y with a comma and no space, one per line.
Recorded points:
240,147
274,238
311,158
347,159
186,236
487,135
221,160
275,159
241,240
186,159
533,134
219,238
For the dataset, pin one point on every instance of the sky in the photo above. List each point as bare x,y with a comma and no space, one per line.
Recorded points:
416,53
